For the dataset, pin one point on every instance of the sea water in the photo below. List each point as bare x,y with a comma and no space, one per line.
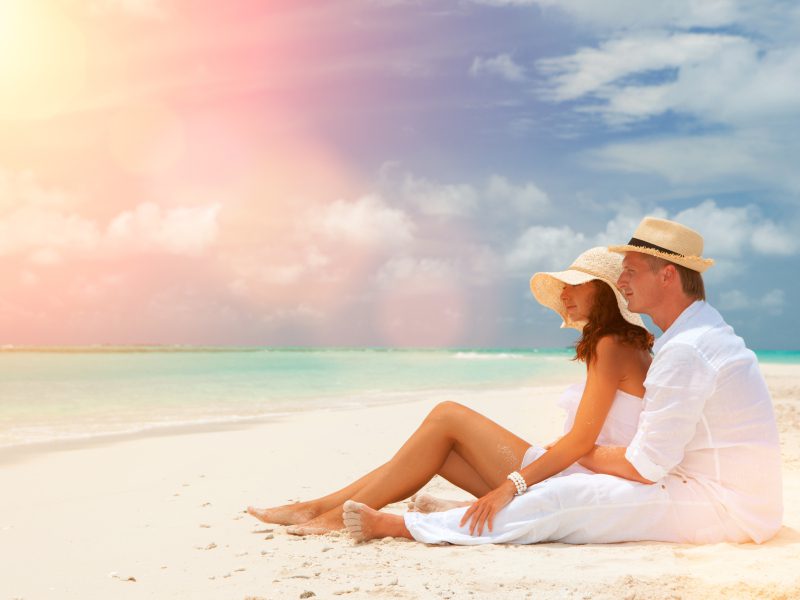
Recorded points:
52,395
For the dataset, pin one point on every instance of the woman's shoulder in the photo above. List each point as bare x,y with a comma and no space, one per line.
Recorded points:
612,348
610,343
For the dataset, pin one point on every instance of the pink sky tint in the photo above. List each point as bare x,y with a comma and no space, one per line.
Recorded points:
151,197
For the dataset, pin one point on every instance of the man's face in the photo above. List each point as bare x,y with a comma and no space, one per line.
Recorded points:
638,283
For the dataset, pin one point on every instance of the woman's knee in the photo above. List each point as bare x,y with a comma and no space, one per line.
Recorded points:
446,410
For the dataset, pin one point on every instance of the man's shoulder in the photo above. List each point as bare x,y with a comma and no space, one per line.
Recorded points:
696,327
709,337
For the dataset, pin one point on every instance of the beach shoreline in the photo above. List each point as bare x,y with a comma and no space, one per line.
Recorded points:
167,511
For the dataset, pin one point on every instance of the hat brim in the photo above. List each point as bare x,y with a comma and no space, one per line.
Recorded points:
547,287
695,263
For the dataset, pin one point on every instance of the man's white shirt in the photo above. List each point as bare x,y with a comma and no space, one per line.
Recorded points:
708,420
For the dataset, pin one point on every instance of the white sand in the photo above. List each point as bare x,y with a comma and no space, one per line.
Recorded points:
167,511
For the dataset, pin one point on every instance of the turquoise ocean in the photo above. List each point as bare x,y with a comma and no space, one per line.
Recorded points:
58,395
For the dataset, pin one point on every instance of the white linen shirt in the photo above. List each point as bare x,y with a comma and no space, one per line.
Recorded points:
708,420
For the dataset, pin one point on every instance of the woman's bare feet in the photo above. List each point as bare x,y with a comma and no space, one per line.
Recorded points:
364,523
324,523
288,514
426,503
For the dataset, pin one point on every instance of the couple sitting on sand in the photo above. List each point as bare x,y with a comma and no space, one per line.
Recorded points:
680,447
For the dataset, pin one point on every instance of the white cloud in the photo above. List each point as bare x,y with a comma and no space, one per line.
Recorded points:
46,224
749,155
497,193
734,300
726,231
31,226
19,188
720,78
415,275
526,199
502,65
148,227
769,238
590,70
259,267
368,220
622,14
544,247
620,229
440,199
729,232
650,61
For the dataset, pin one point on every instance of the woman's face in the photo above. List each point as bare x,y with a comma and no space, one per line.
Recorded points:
578,300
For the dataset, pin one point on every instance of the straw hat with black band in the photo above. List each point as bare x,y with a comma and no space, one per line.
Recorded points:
595,263
669,240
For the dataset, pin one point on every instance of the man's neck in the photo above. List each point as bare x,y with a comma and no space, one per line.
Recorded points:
670,311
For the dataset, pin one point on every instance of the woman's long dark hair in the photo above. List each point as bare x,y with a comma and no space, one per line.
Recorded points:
605,319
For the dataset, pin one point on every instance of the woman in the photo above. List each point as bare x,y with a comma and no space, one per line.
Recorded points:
476,454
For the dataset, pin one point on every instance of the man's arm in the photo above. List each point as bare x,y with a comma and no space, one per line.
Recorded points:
678,383
610,460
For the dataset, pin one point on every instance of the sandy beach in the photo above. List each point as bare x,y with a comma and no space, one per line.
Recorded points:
162,517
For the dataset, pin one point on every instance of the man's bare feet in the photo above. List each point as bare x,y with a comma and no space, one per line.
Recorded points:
324,523
364,523
288,514
426,503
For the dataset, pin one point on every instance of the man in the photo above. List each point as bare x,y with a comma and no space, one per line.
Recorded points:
704,465
707,432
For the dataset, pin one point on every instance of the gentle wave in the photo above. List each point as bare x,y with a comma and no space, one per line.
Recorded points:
100,429
72,393
488,356
43,436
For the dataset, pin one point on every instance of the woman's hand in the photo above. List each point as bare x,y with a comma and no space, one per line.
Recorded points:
484,509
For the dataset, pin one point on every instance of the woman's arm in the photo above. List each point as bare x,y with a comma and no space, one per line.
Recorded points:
603,377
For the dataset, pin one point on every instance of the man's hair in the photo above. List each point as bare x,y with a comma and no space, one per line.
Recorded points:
691,281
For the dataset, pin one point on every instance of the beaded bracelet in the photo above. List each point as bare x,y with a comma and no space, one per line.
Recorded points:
519,482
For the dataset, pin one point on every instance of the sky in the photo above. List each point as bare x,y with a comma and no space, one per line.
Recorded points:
383,172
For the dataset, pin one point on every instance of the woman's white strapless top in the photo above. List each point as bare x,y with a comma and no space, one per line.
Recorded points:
621,422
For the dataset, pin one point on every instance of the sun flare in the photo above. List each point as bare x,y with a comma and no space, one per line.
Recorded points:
42,60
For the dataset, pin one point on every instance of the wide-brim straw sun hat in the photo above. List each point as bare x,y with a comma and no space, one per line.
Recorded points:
669,240
596,263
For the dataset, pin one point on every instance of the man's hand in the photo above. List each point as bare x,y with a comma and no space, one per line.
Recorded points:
484,509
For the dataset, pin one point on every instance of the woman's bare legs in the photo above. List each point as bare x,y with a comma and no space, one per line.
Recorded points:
301,512
455,470
486,453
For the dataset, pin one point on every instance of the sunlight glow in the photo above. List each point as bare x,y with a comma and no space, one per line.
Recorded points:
42,60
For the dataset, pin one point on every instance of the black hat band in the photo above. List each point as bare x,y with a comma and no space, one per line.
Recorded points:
643,244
